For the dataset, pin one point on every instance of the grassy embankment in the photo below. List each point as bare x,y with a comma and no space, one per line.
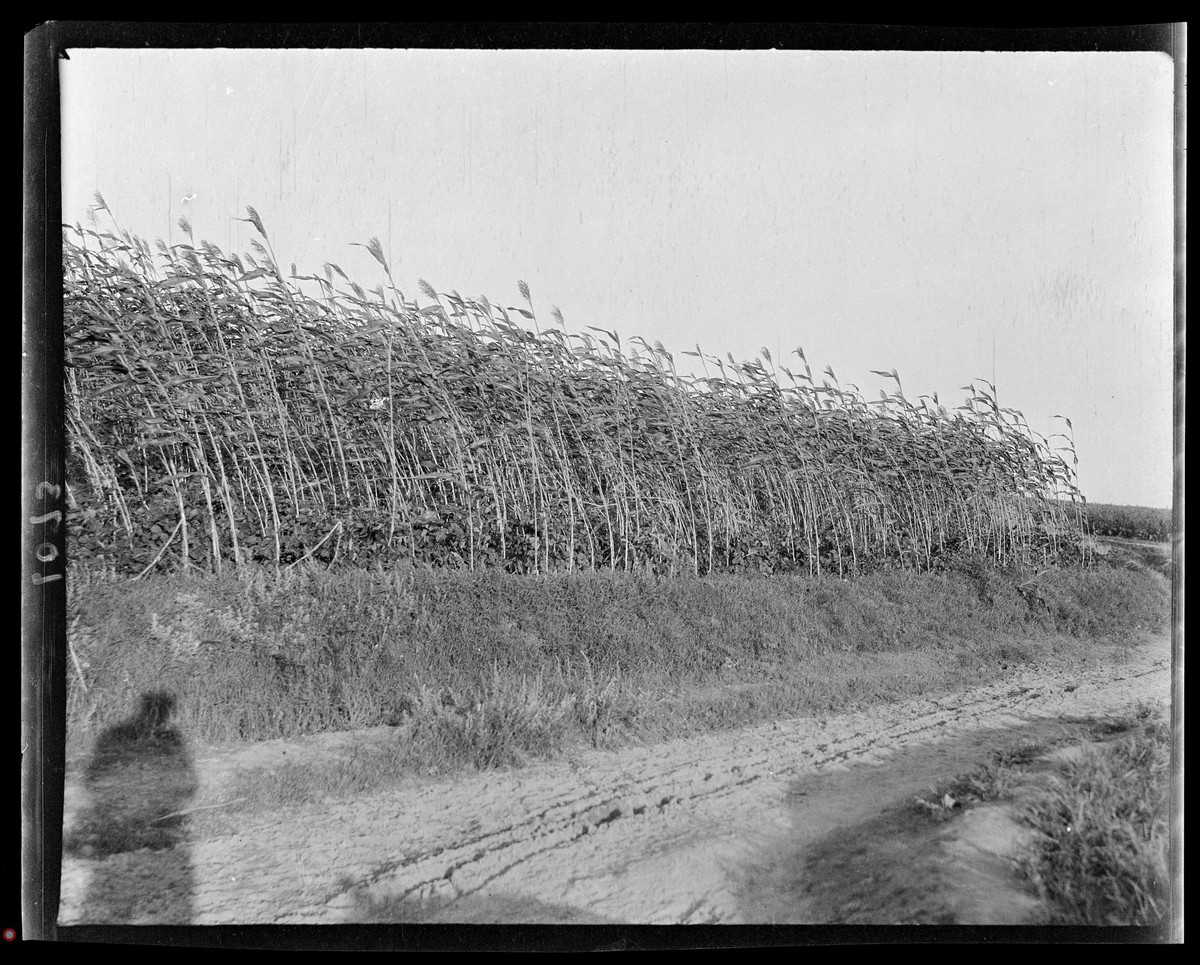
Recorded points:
482,669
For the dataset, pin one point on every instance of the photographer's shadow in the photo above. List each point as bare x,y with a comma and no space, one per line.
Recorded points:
139,783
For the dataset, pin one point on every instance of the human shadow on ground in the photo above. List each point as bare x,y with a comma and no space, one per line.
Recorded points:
139,782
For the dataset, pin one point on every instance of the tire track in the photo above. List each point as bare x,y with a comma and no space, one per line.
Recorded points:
698,777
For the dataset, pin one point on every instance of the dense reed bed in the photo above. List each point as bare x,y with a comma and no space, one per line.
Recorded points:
221,411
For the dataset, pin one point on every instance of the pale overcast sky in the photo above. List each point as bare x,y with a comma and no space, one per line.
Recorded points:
952,215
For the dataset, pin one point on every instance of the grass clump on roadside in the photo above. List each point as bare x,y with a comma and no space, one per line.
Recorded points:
512,720
995,779
1104,832
439,734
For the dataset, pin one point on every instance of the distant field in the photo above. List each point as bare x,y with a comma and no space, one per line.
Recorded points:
1129,522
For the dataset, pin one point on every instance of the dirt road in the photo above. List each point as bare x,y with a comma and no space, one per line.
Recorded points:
796,821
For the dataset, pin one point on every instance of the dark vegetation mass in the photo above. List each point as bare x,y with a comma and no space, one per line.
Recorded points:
220,412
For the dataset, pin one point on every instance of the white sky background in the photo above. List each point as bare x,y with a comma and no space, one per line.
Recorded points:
905,210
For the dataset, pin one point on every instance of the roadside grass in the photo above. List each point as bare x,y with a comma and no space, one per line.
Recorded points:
476,670
438,735
1102,854
997,778
1100,850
